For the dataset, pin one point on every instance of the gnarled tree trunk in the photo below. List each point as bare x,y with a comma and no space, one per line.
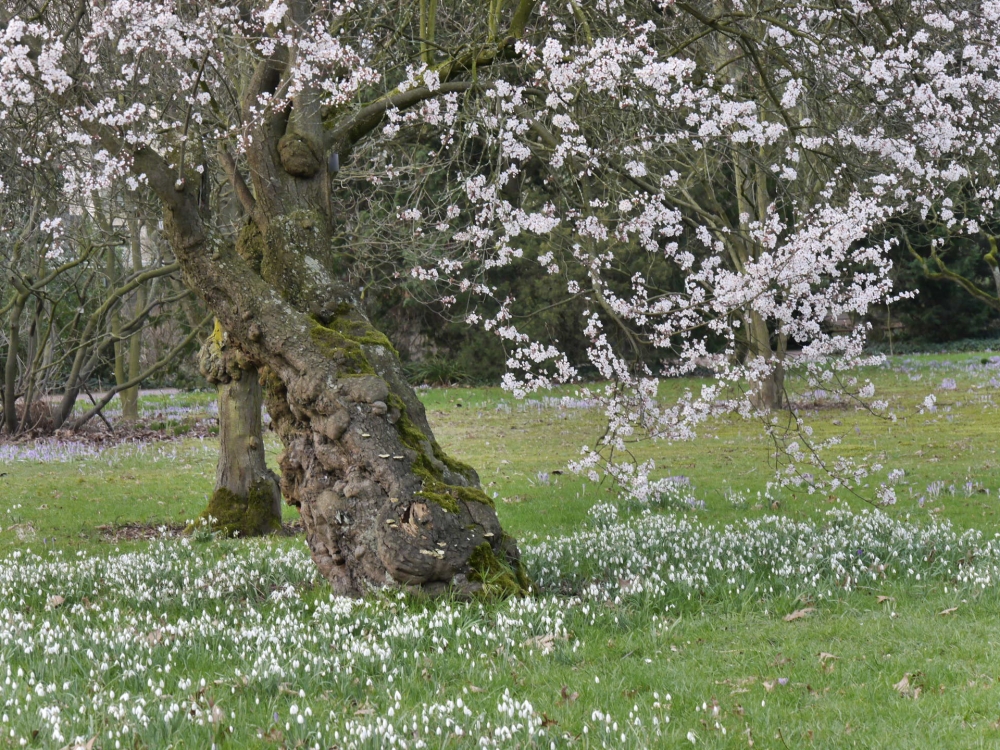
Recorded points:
246,500
380,501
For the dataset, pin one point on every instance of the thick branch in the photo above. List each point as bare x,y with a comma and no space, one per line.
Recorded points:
346,134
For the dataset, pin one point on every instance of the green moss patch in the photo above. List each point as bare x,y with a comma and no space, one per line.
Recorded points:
359,331
435,489
452,463
345,352
342,339
499,578
445,495
250,246
232,515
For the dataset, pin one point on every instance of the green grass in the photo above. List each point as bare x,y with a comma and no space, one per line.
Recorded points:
726,656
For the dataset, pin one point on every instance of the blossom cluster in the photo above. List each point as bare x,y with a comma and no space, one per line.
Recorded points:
758,166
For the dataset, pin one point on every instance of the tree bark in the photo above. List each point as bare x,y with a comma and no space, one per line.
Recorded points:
10,368
380,501
246,500
767,393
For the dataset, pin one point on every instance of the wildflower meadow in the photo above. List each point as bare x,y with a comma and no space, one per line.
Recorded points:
732,611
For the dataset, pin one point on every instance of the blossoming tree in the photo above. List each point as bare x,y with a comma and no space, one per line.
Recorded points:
759,150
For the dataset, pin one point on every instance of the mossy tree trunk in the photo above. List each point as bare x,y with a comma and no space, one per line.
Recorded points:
246,500
380,501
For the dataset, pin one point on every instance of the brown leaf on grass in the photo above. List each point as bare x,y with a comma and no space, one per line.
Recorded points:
89,745
56,601
799,614
271,735
827,661
544,642
474,689
769,685
905,689
567,696
366,711
881,599
947,611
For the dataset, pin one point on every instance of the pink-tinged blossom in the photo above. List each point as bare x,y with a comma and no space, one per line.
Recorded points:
624,136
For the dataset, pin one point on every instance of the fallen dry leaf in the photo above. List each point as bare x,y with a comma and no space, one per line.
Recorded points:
568,697
905,689
474,689
56,601
80,746
882,599
799,614
272,735
544,642
947,611
827,661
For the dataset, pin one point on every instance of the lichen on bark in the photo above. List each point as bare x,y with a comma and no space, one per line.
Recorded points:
435,486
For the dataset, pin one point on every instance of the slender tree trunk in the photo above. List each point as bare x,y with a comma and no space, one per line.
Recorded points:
121,376
768,392
247,498
130,396
10,369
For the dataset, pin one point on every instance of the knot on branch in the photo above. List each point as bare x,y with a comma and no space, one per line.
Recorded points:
220,361
298,156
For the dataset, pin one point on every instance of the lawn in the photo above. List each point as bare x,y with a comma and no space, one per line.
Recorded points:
742,618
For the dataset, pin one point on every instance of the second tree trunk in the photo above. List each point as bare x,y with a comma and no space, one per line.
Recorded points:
246,500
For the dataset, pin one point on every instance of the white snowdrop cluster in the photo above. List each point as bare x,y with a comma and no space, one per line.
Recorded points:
664,556
181,640
60,450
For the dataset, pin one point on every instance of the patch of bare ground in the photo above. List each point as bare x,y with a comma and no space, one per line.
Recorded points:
132,532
